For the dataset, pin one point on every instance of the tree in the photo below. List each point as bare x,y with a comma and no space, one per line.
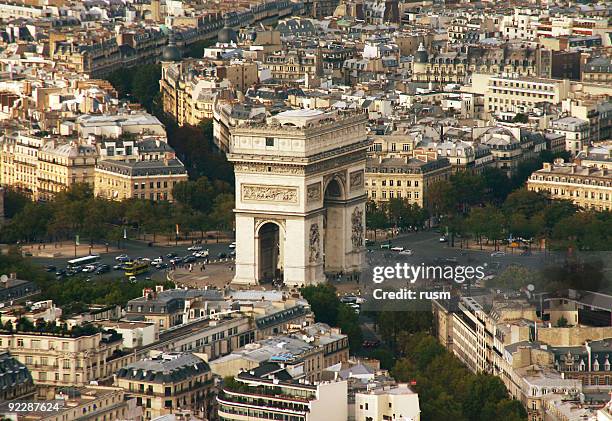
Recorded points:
520,118
323,301
376,219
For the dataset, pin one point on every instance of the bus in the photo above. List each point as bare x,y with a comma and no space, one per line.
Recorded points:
135,268
83,261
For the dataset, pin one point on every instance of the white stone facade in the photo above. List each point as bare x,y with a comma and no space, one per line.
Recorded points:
303,173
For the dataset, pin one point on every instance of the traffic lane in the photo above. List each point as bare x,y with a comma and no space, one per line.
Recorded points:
134,250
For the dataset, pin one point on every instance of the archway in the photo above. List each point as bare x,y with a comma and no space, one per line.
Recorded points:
271,253
333,227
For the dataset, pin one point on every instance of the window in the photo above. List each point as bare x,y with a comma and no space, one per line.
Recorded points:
269,141
20,342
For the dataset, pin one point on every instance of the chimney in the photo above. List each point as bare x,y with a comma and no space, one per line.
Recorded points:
13,275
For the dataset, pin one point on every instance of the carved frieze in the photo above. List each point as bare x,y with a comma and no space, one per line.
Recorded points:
315,243
268,168
356,180
357,228
263,193
313,193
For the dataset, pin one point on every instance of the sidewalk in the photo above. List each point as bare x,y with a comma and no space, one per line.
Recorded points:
65,249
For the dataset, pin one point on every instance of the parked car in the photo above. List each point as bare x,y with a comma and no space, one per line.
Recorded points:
232,253
232,245
498,254
171,255
385,246
119,266
222,255
122,258
443,239
157,261
50,268
194,248
162,265
397,248
189,259
406,252
526,253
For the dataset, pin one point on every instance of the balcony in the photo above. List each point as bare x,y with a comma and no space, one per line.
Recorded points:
242,401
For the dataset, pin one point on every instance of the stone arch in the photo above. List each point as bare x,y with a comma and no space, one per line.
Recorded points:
270,250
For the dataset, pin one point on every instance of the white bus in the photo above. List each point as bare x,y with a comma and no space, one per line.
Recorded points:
81,261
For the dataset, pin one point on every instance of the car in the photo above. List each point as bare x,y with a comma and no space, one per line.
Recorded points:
162,265
348,299
144,259
200,254
498,254
102,269
122,258
397,248
171,255
50,268
406,252
176,261
189,259
61,272
385,246
194,248
232,245
232,253
157,261
89,268
132,279
222,255
443,239
119,266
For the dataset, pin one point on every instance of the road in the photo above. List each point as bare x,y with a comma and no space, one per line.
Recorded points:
136,249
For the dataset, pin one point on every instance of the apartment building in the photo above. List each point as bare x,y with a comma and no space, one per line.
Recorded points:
63,165
69,359
508,95
87,402
511,145
14,290
456,65
404,178
598,70
586,186
387,403
152,179
308,351
293,65
41,167
166,308
15,379
168,382
270,392
577,133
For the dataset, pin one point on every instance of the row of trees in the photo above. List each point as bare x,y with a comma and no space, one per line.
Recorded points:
529,214
200,205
